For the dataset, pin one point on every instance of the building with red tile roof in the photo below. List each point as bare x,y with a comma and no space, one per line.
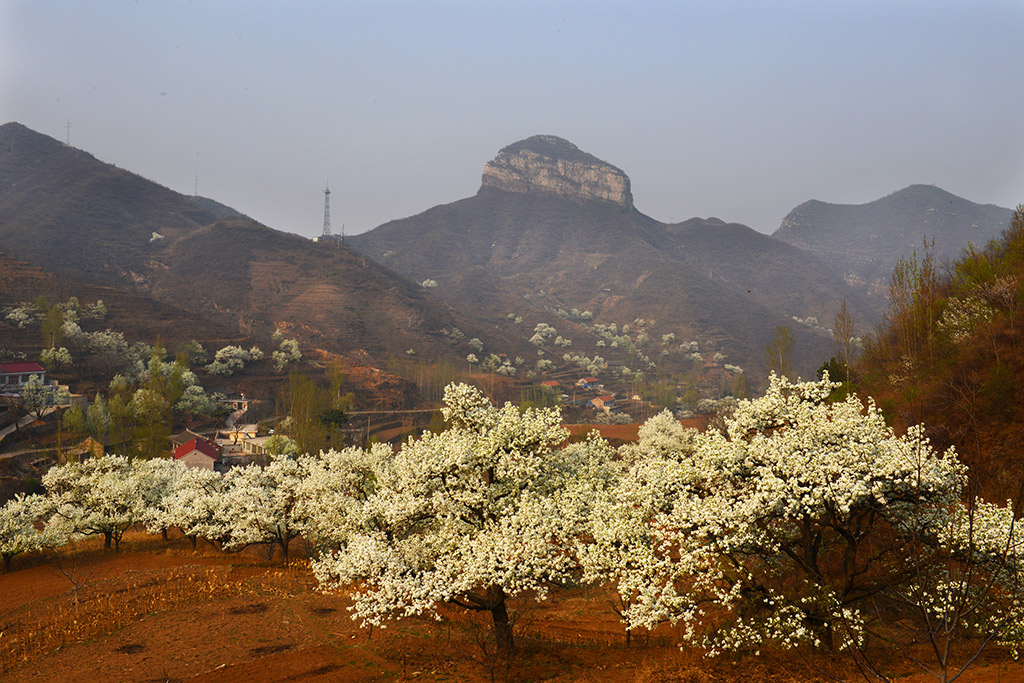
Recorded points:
15,375
198,453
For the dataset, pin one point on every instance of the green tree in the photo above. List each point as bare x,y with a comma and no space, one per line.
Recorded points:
52,327
779,354
316,414
843,341
151,415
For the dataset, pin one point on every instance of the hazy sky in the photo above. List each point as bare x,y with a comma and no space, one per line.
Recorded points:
740,110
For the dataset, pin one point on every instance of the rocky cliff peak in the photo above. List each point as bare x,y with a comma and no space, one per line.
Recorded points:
546,163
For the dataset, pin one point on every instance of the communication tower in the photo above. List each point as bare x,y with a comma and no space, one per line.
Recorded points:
326,236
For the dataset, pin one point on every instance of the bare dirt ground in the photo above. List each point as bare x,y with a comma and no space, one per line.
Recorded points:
161,611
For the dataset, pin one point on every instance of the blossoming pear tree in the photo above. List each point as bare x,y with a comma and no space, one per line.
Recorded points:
97,497
18,532
485,511
196,505
332,492
782,528
261,503
964,588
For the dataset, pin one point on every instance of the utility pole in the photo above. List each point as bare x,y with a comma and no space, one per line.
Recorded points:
68,127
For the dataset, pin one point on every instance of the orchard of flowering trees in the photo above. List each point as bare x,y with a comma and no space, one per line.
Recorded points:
801,522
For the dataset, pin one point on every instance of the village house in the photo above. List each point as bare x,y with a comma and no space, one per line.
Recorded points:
256,449
236,402
231,440
13,376
605,403
198,453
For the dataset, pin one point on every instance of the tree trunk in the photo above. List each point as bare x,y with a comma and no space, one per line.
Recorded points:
193,539
502,627
7,562
107,537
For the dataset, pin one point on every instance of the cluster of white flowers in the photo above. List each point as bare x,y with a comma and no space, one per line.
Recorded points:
541,333
499,365
574,314
231,359
592,365
287,352
453,335
55,356
486,510
962,315
23,316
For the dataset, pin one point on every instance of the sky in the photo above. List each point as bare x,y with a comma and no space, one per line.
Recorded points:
736,109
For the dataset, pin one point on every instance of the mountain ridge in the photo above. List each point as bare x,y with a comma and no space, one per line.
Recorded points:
65,211
519,250
862,242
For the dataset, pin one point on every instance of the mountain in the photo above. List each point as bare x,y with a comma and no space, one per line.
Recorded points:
862,242
554,228
89,222
69,213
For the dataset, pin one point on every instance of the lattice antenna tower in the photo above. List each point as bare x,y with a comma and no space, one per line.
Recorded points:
327,214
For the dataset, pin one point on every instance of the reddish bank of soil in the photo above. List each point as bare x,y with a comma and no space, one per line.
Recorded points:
261,622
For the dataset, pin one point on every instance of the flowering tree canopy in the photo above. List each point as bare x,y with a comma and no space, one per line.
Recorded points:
261,503
767,532
18,533
99,496
484,511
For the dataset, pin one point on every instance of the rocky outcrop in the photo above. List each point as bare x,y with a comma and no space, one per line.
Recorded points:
545,163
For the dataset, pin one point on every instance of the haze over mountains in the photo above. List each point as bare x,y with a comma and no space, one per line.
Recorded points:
551,229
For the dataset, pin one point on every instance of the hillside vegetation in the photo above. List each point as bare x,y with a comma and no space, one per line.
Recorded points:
951,355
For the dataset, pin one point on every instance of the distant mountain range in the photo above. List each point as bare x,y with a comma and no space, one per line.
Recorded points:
862,242
551,235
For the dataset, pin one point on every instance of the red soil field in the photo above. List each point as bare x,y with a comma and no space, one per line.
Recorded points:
161,611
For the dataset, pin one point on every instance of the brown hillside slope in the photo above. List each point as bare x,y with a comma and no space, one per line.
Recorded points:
952,357
90,222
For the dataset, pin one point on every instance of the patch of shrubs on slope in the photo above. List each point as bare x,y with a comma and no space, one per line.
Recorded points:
951,352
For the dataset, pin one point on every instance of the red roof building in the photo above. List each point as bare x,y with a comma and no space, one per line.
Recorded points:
14,375
197,453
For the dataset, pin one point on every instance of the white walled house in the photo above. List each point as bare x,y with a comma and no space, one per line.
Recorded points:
198,453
